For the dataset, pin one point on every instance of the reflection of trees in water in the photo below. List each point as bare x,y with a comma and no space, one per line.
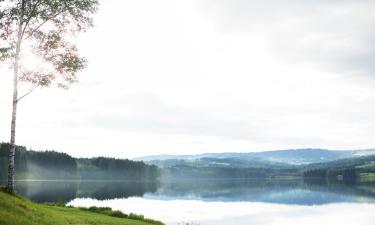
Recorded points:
110,190
48,191
217,188
65,191
275,191
342,187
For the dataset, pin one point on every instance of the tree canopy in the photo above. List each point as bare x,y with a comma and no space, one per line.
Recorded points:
43,28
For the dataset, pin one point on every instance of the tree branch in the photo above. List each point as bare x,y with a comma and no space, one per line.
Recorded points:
41,24
31,14
28,92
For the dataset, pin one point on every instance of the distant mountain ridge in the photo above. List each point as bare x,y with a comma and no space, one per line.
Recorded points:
287,157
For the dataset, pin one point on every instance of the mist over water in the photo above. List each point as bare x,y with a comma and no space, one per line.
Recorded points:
65,191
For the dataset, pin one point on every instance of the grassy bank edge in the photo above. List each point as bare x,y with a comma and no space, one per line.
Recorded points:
15,209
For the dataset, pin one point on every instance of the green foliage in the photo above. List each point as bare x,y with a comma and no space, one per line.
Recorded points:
42,26
4,53
370,165
116,213
367,177
116,169
15,210
349,171
39,165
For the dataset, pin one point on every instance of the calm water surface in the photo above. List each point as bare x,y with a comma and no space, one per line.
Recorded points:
216,202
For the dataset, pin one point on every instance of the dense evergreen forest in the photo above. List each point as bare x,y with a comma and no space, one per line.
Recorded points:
54,165
350,170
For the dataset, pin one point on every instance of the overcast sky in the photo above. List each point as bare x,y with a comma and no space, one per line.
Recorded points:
186,77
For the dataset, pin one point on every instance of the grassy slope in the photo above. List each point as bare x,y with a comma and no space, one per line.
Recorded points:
16,210
367,177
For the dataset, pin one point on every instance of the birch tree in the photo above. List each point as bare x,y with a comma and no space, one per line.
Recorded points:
40,30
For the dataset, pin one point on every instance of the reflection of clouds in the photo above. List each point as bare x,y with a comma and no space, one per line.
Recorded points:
241,213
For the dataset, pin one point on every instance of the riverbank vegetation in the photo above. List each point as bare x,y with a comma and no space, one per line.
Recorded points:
16,210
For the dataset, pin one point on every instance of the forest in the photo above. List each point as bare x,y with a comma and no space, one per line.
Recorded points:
51,165
350,170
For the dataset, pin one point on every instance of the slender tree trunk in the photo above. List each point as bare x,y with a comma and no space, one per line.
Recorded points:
12,148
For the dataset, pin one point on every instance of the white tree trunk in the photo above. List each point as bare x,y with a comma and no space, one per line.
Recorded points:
12,149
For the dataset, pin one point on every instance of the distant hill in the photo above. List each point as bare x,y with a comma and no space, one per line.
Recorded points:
276,158
353,162
349,166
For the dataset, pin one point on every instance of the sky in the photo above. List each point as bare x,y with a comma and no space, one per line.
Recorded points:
187,77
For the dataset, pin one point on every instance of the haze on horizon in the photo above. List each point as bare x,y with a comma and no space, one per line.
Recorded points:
188,77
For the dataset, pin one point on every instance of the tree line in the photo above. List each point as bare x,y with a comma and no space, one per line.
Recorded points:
51,165
347,170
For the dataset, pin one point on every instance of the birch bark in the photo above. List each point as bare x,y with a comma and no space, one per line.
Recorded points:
12,149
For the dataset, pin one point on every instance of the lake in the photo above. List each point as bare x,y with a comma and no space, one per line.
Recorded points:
215,202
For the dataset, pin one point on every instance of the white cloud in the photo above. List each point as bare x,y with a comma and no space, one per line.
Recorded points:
335,35
209,76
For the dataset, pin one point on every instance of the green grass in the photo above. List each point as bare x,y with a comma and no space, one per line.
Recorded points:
370,165
116,213
367,177
15,210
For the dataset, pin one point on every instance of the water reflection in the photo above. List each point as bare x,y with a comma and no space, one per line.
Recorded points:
48,191
110,190
272,191
276,191
174,212
65,191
